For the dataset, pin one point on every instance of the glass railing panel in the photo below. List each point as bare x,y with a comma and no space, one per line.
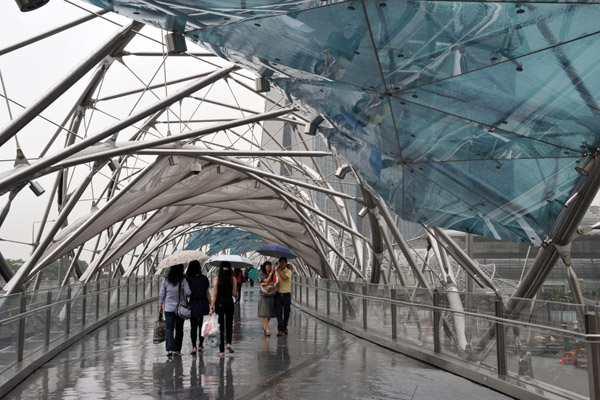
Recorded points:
58,322
379,313
415,325
35,333
9,335
10,306
546,356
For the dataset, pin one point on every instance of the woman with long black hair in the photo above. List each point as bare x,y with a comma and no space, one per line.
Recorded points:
225,289
266,302
173,289
199,302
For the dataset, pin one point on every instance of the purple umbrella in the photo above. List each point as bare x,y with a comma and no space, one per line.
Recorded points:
275,250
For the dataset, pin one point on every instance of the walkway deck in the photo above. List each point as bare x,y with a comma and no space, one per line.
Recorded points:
119,361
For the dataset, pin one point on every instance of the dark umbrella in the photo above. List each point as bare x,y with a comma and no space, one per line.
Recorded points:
275,250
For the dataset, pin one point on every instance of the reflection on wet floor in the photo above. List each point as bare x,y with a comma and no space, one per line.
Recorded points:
119,361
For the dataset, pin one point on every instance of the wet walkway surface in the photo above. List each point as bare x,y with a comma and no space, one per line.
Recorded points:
119,361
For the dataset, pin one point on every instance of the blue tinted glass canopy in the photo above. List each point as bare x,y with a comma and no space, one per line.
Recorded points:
464,115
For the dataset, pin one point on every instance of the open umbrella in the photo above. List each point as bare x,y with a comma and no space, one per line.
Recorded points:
181,257
275,250
235,261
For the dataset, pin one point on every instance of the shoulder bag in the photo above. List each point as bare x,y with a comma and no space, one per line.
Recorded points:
183,310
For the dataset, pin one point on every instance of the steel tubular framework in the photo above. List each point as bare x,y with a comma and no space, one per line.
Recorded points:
144,157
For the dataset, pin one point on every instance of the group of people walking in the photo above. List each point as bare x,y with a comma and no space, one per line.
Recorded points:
193,289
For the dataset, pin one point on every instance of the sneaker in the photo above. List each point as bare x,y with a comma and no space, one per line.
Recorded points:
230,349
169,354
221,354
286,331
177,353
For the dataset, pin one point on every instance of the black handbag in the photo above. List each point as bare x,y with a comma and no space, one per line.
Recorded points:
160,330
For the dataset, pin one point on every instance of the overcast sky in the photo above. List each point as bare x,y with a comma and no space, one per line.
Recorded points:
31,71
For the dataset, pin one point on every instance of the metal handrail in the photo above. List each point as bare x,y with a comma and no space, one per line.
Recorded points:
503,321
304,286
15,318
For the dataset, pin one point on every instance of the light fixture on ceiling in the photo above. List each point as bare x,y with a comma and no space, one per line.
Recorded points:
196,167
219,170
30,5
256,184
363,211
262,85
172,161
342,171
175,43
284,206
36,188
113,165
311,127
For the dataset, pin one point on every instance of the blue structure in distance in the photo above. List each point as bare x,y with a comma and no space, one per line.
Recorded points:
219,239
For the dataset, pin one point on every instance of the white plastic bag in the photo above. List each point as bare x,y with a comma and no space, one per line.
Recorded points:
210,326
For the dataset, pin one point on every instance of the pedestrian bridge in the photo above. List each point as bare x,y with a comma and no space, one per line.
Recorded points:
345,341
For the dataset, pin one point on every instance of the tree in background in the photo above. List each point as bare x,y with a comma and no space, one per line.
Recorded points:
49,273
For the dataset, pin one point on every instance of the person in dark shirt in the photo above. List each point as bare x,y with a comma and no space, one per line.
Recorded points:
225,288
199,302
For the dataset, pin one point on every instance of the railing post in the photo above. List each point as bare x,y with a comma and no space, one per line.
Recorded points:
365,304
118,293
436,322
144,283
21,340
152,285
593,355
344,307
108,297
500,343
328,297
127,282
48,316
301,280
393,311
97,300
307,283
83,304
137,283
316,297
68,310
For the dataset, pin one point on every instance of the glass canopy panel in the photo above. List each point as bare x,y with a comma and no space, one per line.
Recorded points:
382,172
366,115
220,239
522,195
420,42
551,96
427,134
480,65
186,15
431,204
329,42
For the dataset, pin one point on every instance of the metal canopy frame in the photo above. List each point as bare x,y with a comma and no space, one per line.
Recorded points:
115,155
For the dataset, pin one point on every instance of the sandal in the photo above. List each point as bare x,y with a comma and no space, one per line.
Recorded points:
193,351
200,349
267,333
